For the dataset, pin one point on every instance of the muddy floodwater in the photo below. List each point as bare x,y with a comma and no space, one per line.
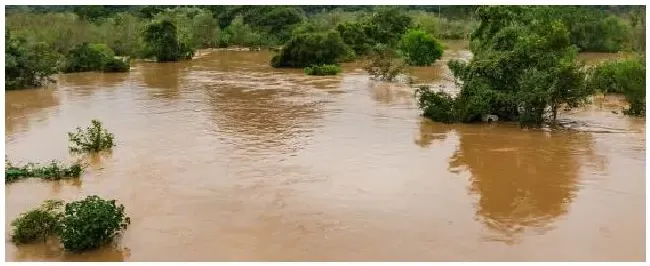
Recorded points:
223,158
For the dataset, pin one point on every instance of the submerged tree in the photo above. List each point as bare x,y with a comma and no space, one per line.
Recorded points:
94,57
523,68
163,42
313,49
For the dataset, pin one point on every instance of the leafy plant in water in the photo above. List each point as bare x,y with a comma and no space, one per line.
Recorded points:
52,171
623,76
384,64
36,224
90,223
322,70
94,139
436,105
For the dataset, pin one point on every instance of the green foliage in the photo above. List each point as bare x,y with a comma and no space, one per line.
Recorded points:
312,49
420,48
279,21
90,223
240,34
523,65
444,28
94,57
163,42
27,65
436,105
384,64
354,35
95,138
322,70
52,171
387,25
37,224
623,76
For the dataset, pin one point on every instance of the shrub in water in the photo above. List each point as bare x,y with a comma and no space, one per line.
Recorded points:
94,139
37,224
94,57
308,49
322,70
385,64
90,223
624,76
436,105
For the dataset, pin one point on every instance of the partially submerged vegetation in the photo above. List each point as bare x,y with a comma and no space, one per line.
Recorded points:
94,139
40,39
51,171
94,57
322,70
81,225
524,69
622,76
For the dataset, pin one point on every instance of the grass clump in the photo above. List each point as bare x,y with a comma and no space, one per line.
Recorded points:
52,171
322,70
94,139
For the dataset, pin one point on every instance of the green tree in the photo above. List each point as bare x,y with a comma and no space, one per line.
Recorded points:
308,49
523,68
206,30
420,48
354,35
239,33
280,21
163,43
623,76
387,24
27,65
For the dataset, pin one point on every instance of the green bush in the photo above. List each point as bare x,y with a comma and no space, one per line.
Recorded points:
312,49
436,105
27,65
90,223
94,57
420,48
623,76
95,138
37,224
51,171
322,70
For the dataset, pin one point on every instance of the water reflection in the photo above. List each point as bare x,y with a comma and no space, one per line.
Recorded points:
432,132
267,118
25,106
162,80
52,250
522,181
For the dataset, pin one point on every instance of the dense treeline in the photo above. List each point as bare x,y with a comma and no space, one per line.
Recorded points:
169,33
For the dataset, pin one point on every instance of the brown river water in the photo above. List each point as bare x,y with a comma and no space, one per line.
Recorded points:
223,158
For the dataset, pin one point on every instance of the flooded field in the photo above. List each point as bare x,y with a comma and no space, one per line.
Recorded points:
224,158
